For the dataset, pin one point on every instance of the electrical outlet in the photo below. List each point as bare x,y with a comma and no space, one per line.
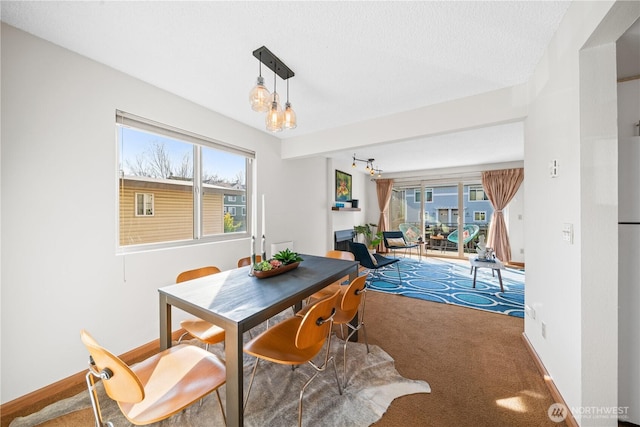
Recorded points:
544,330
530,311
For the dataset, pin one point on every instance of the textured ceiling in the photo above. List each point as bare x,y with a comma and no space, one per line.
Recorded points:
353,61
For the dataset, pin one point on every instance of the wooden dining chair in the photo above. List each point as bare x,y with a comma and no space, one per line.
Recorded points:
350,303
335,286
204,331
156,388
296,341
243,262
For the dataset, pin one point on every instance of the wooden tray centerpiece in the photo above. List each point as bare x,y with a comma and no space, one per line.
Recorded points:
281,262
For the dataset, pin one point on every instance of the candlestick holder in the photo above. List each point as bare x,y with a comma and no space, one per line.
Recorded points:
253,255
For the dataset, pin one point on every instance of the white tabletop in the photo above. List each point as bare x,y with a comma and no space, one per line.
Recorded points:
496,264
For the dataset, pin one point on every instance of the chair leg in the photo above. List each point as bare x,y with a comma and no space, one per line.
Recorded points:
224,417
182,336
301,395
344,349
253,374
95,404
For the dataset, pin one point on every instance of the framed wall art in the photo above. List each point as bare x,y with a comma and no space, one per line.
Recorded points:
343,186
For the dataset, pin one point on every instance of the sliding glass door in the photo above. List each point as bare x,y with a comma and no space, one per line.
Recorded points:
451,214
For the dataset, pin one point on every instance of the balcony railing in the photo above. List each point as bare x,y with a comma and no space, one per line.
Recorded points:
442,230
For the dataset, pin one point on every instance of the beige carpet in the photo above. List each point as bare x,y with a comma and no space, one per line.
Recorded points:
373,383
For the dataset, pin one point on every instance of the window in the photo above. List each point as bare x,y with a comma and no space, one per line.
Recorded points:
477,193
428,195
175,186
244,211
144,204
479,216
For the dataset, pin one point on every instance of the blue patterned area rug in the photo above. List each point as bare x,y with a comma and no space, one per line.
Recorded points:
451,283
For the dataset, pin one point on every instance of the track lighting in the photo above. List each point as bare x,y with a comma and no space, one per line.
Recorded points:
369,165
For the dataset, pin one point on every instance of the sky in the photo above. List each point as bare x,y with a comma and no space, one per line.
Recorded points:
134,143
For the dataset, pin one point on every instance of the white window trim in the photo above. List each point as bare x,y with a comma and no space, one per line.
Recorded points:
146,199
426,190
484,213
140,123
475,188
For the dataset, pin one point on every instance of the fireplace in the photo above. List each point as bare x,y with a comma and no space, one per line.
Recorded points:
342,238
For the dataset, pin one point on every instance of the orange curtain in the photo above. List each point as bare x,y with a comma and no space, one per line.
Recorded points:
383,189
501,186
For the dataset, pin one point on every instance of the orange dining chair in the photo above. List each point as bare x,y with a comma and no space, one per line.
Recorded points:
351,302
200,329
242,262
335,286
296,341
156,388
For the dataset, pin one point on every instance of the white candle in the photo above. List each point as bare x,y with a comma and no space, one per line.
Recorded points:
254,222
262,242
264,233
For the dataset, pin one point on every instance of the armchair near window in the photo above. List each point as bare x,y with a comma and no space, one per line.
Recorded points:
469,232
395,240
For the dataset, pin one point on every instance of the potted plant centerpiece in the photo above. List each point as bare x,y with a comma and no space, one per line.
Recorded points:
281,262
369,238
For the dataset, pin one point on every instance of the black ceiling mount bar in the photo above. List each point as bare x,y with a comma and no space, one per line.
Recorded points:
274,63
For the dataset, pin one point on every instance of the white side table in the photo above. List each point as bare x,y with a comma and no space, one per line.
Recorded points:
495,265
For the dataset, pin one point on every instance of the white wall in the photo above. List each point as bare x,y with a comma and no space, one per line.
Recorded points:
572,119
345,220
60,272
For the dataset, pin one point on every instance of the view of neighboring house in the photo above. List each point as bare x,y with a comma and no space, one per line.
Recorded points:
236,206
161,210
439,207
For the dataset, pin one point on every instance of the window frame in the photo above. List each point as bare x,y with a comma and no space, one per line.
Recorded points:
144,205
475,189
430,191
483,213
124,119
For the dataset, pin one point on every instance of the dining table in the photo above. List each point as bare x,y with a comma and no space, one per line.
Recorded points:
237,301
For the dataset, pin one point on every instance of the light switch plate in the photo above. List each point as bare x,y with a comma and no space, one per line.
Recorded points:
567,233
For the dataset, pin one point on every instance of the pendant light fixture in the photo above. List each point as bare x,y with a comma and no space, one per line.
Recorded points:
259,95
289,115
276,119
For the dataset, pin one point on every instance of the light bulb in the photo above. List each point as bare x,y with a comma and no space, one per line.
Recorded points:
275,118
259,96
290,121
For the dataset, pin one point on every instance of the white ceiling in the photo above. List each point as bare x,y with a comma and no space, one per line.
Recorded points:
354,61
